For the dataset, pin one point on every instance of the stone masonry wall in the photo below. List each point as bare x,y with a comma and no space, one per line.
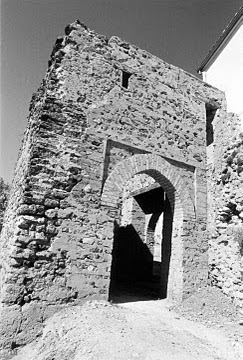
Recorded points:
57,240
225,202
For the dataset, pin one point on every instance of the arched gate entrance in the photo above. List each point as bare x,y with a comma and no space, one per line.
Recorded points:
146,189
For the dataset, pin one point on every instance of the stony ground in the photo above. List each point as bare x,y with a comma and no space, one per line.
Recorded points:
205,327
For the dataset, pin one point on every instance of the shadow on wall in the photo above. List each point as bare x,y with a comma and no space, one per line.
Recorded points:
134,273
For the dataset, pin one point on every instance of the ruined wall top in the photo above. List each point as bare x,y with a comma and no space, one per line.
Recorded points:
97,75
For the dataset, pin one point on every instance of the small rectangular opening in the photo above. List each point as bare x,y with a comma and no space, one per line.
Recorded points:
210,114
125,79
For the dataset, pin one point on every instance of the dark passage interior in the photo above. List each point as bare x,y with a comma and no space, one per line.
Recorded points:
136,273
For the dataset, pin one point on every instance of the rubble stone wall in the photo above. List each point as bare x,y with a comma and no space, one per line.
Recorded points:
85,119
225,208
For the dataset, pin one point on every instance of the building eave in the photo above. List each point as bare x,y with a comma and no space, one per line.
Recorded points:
222,39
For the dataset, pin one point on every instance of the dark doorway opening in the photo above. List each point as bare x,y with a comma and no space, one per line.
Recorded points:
136,273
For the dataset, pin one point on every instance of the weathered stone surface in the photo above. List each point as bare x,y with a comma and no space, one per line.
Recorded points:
92,142
225,201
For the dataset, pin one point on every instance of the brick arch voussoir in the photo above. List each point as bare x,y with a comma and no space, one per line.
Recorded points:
182,194
140,163
160,170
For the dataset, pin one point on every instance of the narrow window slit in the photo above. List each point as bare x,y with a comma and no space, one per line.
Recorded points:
125,79
210,114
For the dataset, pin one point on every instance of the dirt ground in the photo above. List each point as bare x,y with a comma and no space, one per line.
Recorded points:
205,327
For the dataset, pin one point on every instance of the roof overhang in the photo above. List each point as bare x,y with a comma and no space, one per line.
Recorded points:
223,39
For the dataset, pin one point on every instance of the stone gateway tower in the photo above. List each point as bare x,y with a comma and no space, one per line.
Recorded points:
110,188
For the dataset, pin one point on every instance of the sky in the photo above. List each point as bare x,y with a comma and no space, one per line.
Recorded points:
180,32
